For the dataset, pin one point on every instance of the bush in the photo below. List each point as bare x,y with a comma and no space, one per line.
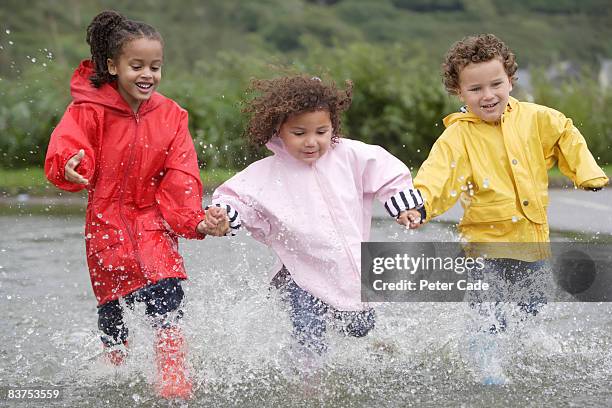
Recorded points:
398,102
31,106
587,104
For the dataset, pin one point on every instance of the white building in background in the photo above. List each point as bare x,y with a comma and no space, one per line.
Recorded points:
605,73
523,86
558,73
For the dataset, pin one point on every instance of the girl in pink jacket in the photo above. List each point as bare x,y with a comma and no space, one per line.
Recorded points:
311,201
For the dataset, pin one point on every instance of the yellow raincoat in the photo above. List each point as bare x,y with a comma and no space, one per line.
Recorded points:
499,171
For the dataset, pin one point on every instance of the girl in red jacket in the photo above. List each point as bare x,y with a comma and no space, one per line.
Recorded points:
131,148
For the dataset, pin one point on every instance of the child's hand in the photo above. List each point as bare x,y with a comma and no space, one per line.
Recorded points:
218,231
214,216
216,222
70,173
410,219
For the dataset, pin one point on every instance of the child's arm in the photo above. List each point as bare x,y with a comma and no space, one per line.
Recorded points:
389,180
442,175
564,143
241,211
70,160
180,192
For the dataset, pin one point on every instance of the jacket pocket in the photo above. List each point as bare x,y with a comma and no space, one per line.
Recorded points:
154,231
490,212
104,249
154,224
158,247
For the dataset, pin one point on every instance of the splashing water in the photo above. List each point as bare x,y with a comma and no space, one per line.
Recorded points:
239,336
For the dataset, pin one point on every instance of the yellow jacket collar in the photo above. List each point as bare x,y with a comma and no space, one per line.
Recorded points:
472,117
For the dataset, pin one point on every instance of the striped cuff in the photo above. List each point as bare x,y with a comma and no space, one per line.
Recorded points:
234,218
404,200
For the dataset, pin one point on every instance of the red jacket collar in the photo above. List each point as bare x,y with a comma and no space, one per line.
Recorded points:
107,95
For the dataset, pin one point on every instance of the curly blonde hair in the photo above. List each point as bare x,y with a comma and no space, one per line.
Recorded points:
480,48
279,98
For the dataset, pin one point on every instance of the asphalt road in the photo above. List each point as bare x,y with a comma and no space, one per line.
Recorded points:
569,210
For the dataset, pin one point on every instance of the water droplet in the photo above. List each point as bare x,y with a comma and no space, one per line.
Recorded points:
514,218
33,60
8,31
485,183
99,215
453,193
453,165
105,236
88,236
11,43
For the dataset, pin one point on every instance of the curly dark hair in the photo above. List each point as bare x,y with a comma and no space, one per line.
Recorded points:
480,48
107,33
282,97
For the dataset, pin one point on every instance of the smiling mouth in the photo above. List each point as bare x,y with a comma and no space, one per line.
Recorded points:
144,86
489,106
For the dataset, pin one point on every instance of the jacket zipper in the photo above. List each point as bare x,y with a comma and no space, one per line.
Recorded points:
336,225
123,186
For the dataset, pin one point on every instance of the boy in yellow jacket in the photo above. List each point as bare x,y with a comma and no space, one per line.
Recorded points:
494,156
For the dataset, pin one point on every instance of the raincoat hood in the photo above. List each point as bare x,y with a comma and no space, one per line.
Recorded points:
276,146
83,91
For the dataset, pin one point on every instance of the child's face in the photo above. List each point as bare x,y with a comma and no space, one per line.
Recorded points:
485,88
138,70
307,135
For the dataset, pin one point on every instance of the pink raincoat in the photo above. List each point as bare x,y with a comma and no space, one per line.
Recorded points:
314,217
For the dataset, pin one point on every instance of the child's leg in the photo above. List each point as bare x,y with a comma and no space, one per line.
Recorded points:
530,281
307,312
489,321
357,323
110,322
491,305
163,301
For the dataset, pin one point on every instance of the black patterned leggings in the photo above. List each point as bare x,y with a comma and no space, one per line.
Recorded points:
160,300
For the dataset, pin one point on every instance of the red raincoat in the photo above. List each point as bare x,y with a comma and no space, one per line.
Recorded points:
144,184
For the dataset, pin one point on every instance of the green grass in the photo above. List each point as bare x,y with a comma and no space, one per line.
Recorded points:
33,181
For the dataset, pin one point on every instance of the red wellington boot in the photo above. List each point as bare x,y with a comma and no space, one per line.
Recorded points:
115,355
172,377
